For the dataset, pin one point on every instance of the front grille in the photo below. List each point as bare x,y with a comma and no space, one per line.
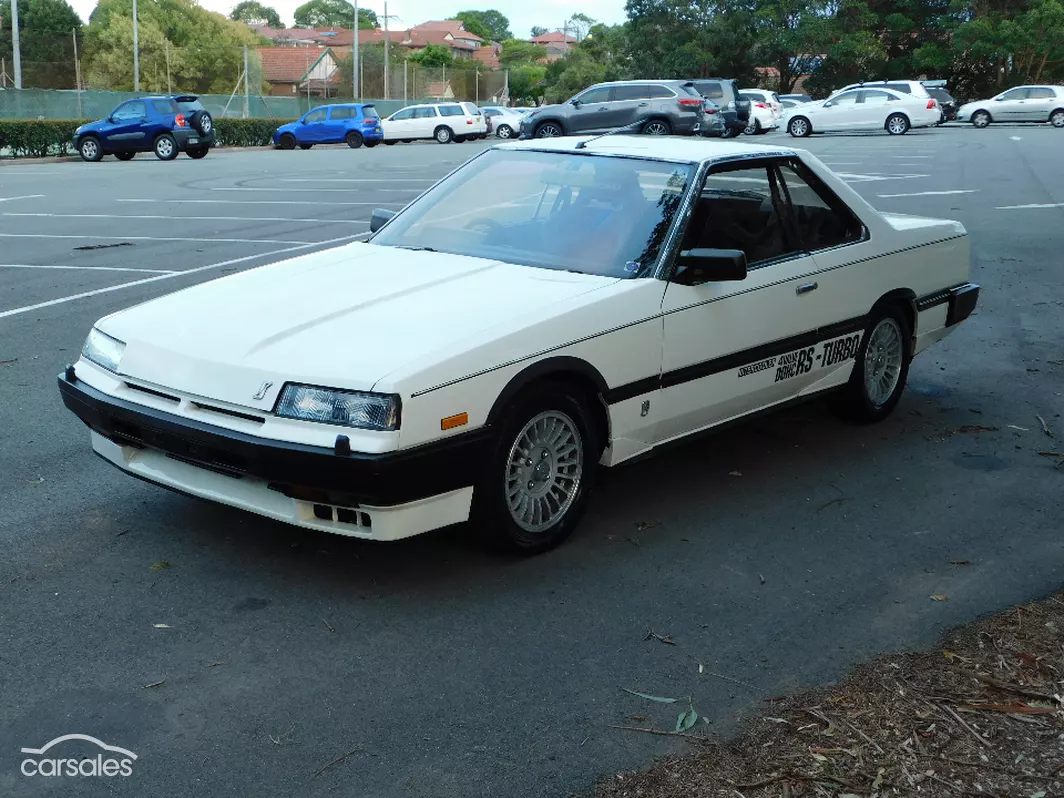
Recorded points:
226,412
152,392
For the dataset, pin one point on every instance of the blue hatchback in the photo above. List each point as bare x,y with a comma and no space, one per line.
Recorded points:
353,125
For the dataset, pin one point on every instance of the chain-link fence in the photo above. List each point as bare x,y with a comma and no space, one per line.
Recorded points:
68,77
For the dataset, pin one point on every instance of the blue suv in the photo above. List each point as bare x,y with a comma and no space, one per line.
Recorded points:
354,125
163,125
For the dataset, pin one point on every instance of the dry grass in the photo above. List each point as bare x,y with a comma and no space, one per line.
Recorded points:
983,716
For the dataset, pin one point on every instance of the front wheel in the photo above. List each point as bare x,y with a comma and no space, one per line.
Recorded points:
657,127
287,142
1056,119
799,127
89,149
549,130
752,128
443,135
980,119
881,368
353,139
897,124
504,132
165,147
125,156
730,133
538,480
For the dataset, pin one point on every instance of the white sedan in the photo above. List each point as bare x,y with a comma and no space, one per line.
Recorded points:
1021,104
480,360
506,122
863,109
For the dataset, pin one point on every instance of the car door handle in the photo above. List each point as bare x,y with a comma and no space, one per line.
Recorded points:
643,105
603,109
805,288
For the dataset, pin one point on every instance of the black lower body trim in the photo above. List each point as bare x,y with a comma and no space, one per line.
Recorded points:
311,473
962,301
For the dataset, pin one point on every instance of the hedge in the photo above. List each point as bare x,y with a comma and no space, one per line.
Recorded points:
40,138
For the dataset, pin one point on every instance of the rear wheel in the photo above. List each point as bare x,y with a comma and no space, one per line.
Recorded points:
165,147
538,479
504,132
195,153
371,144
657,127
799,127
89,149
125,156
882,366
443,134
1056,119
353,139
459,139
305,146
730,133
897,124
753,127
287,142
980,119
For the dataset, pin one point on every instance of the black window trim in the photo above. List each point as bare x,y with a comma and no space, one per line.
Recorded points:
830,198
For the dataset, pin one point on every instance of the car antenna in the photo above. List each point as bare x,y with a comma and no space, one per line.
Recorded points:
626,129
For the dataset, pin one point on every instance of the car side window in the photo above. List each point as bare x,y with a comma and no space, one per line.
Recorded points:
739,208
659,92
821,218
164,106
342,112
406,113
1040,93
128,112
445,110
629,92
492,112
847,98
1015,94
317,115
597,95
429,112
875,97
904,88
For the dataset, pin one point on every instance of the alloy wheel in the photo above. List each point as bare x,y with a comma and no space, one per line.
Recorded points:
543,471
884,357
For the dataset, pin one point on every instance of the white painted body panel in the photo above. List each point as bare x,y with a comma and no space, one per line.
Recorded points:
837,114
448,334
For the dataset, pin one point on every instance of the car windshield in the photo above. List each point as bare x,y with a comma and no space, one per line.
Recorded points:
188,106
592,214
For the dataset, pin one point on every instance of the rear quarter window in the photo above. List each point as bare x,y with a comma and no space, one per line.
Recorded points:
710,89
451,110
188,106
164,106
370,113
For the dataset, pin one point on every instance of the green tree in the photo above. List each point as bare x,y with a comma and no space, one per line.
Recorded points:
252,12
46,30
494,23
790,36
433,55
527,84
578,25
515,51
472,23
538,30
183,47
333,14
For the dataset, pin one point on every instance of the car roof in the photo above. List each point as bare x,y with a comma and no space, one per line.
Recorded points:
688,150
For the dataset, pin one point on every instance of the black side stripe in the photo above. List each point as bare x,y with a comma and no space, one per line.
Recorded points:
708,368
932,300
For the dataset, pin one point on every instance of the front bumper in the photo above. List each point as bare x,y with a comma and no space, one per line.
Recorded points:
307,485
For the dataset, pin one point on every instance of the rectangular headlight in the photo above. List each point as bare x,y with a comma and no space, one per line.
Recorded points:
103,350
375,411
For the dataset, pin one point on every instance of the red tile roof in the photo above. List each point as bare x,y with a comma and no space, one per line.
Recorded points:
489,56
343,37
455,27
420,38
557,37
288,64
377,36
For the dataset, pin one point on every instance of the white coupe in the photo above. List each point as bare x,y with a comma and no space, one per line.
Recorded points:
478,360
863,109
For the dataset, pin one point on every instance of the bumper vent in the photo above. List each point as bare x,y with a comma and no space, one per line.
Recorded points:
342,515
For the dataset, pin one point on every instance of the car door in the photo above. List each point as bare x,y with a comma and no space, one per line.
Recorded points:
335,127
629,102
872,109
426,119
1010,106
128,128
590,111
838,113
312,131
733,347
399,125
1041,100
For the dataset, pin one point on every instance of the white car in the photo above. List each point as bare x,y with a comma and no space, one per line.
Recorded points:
444,122
1021,104
863,109
506,122
479,360
769,98
913,87
763,117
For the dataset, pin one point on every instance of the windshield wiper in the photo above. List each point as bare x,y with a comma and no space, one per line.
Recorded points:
416,249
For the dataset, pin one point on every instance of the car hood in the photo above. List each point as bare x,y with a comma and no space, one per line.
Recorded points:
543,110
342,318
92,127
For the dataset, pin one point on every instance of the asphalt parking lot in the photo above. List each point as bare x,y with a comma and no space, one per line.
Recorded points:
239,656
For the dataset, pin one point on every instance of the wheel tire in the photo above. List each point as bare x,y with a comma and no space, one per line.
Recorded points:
752,128
287,142
305,146
196,153
353,139
202,123
730,133
165,148
406,141
371,144
799,127
391,143
89,149
459,139
505,132
897,124
125,156
443,135
549,130
1056,119
492,514
981,119
656,127
888,332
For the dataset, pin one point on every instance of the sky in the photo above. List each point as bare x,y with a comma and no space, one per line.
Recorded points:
523,14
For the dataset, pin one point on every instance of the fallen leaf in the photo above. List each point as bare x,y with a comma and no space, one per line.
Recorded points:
645,525
735,473
969,428
940,597
961,562
657,698
685,720
1021,429
1045,426
159,566
154,684
1012,709
701,667
162,626
820,757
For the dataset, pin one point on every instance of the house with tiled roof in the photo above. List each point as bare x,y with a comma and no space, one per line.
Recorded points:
420,39
299,70
556,43
489,54
455,27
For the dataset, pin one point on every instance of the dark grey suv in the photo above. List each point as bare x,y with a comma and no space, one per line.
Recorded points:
660,107
725,93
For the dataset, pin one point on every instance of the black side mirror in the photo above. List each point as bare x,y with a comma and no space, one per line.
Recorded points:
574,103
379,218
698,266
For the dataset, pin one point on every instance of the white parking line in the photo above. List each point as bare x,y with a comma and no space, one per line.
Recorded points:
315,190
231,262
171,218
852,178
160,238
1026,207
931,193
25,196
357,180
257,202
87,268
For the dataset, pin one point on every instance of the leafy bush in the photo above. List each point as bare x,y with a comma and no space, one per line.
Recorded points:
247,132
40,138
37,138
